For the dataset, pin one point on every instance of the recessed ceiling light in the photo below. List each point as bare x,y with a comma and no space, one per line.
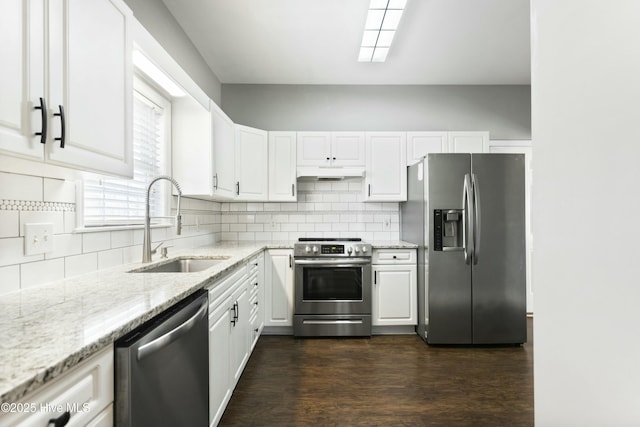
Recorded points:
382,22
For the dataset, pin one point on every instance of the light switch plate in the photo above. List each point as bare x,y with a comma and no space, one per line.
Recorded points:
38,238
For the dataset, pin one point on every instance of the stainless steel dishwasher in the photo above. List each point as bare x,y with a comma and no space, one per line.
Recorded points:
162,369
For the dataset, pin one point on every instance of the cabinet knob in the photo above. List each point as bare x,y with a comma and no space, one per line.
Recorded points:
256,330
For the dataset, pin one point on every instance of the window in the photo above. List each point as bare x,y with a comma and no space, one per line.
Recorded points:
122,202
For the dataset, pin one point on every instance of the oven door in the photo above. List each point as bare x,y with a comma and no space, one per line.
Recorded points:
332,286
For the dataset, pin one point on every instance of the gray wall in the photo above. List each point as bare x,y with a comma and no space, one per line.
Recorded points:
156,18
505,111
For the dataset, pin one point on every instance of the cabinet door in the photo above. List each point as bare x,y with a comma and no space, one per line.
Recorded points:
394,295
279,287
224,154
347,149
386,170
22,76
240,333
251,164
219,360
419,144
90,75
468,142
314,148
282,166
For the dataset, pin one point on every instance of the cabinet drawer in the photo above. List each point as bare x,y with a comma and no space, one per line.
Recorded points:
85,391
223,287
394,256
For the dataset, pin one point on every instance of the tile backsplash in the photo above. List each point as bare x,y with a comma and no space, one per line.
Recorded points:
28,199
323,209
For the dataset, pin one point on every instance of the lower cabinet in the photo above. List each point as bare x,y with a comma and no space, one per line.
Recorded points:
233,319
395,287
279,288
84,394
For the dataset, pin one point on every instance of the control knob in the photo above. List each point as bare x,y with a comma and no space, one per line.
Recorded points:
357,249
315,249
307,249
364,249
349,250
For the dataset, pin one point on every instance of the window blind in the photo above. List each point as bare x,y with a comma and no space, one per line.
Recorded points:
119,201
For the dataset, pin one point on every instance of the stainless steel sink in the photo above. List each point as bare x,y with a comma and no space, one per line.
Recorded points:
182,265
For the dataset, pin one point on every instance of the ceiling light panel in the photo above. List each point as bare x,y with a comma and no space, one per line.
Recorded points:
382,21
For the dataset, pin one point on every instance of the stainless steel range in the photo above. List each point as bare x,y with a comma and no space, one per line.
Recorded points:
332,287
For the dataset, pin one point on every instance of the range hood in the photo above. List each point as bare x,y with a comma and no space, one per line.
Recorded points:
316,173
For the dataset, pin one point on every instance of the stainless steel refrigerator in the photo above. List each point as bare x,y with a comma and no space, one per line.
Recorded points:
466,212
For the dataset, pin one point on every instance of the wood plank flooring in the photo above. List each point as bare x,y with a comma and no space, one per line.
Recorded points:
382,381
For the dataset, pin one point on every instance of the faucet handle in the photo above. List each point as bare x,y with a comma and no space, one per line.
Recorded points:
154,250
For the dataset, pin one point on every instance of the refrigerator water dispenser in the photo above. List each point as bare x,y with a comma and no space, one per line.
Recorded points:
447,229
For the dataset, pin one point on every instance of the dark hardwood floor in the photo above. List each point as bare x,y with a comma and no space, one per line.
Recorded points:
382,381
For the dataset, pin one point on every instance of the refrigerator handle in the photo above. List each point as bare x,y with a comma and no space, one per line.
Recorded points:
476,217
467,223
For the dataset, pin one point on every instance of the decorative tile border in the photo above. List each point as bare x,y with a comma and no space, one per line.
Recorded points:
30,205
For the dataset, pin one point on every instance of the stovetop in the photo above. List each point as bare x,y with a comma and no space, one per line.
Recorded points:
331,247
329,239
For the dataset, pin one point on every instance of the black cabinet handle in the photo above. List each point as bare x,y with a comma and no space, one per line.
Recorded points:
215,185
255,303
328,158
61,421
256,329
369,190
43,114
334,158
255,284
237,310
234,318
62,125
375,277
238,188
293,189
290,264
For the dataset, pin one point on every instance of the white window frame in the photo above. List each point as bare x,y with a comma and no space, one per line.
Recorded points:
159,98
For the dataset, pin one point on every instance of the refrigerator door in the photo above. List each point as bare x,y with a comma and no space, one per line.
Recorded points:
498,273
449,277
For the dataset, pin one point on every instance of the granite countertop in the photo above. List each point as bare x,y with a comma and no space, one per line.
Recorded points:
392,244
48,329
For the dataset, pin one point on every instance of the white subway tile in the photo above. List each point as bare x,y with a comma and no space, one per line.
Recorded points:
395,217
69,219
348,218
20,187
263,235
366,236
355,186
237,227
339,227
92,242
390,206
9,224
395,226
238,207
356,226
305,207
373,226
332,234
263,218
229,219
281,235
272,226
323,206
271,207
255,207
65,245
371,206
12,252
306,227
255,227
381,218
330,197
348,197
289,207
121,238
80,264
37,273
297,218
225,207
289,227
323,227
314,197
35,217
132,254
110,258
306,186
364,218
339,206
230,236
356,207
10,279
225,227
340,186
246,236
314,218
57,190
295,235
246,218
281,218
382,236
322,186
331,218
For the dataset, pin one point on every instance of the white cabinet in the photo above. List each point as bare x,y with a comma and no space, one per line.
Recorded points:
88,95
256,298
282,166
239,332
395,287
334,149
224,154
219,359
251,164
279,287
419,144
88,387
386,167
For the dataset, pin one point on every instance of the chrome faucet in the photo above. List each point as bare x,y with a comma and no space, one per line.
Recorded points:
146,244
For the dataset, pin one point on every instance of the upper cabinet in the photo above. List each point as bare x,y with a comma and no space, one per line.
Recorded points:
419,144
282,166
251,163
224,154
386,168
83,117
333,149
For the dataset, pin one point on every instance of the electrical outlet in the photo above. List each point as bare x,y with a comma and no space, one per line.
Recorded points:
38,238
386,224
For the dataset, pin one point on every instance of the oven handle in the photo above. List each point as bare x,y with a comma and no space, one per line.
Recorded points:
334,262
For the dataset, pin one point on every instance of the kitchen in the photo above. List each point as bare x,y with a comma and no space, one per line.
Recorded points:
38,186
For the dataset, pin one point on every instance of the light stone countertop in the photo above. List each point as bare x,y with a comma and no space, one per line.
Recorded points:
392,244
48,329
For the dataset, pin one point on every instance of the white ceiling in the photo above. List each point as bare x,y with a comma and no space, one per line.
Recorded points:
317,41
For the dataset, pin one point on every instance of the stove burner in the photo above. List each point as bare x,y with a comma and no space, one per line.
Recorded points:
329,239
